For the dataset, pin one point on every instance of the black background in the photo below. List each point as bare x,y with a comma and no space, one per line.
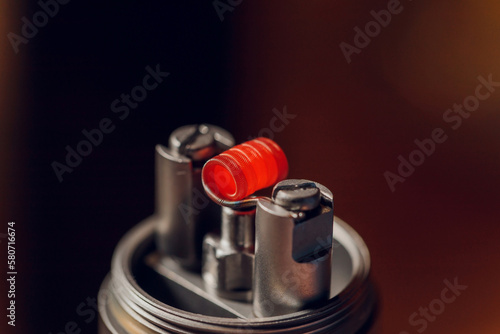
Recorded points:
85,58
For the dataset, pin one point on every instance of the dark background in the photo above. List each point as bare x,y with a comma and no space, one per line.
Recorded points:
352,122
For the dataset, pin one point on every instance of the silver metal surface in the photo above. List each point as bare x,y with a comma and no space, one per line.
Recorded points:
180,303
200,142
293,249
184,213
247,202
270,268
228,260
297,195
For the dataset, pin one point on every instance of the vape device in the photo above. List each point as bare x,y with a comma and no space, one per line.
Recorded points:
215,258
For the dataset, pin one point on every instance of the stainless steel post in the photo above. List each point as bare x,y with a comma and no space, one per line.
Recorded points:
228,259
184,213
293,251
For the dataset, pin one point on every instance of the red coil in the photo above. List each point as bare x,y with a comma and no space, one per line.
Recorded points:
245,168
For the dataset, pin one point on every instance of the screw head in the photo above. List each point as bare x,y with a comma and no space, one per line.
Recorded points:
297,195
200,142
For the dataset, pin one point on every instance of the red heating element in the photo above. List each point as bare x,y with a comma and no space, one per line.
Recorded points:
245,168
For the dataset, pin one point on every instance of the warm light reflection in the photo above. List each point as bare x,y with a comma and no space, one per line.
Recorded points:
10,140
433,58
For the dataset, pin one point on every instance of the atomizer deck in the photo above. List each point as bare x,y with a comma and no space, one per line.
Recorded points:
215,259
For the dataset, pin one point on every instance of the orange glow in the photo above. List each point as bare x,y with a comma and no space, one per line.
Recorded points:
246,168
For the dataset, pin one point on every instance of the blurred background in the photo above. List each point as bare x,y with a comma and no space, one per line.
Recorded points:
231,65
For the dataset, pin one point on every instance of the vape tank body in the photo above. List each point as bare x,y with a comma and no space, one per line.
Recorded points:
215,259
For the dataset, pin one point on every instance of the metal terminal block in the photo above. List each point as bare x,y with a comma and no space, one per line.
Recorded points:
228,260
293,251
184,213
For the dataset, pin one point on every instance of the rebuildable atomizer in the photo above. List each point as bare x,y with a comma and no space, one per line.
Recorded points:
214,258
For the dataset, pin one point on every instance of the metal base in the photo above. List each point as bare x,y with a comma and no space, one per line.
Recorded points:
147,294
